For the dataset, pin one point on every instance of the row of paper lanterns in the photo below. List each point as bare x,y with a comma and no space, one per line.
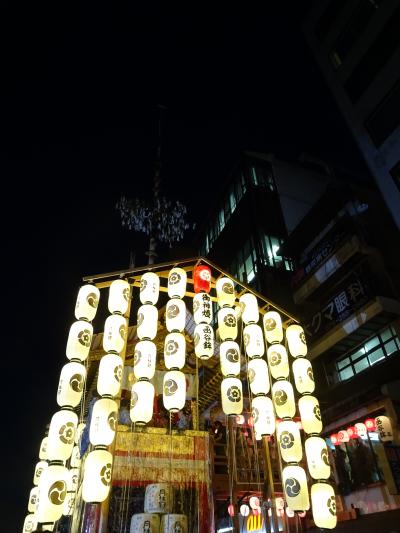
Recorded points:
381,424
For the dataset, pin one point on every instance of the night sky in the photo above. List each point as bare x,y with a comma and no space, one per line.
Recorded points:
80,88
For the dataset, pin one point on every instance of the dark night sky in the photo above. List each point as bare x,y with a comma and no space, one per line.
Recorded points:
78,128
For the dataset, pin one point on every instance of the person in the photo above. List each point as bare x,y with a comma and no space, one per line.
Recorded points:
218,432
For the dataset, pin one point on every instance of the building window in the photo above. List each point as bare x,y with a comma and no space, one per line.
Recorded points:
270,247
375,58
328,18
386,117
244,267
262,177
373,351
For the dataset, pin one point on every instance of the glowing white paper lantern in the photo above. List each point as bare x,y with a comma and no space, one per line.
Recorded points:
118,296
202,308
303,375
145,522
384,428
225,292
43,448
69,504
244,509
278,361
177,279
323,503
283,397
262,411
97,476
30,523
33,500
253,340
61,435
149,288
71,384
52,493
147,320
79,340
144,365
272,323
110,375
361,429
289,439
158,498
104,422
142,400
310,414
203,340
174,351
227,324
317,458
174,390
289,512
175,315
75,457
296,340
257,370
229,356
115,333
232,396
87,302
73,479
39,469
172,523
79,431
249,308
294,482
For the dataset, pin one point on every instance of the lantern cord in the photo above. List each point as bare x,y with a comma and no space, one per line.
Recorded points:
197,424
170,456
131,459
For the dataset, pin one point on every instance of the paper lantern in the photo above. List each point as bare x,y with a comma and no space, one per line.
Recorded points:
119,296
296,340
310,414
317,458
158,498
39,469
78,432
203,340
273,330
61,435
283,397
294,482
177,279
75,457
253,340
370,424
202,278
249,308
352,432
43,448
144,362
278,361
254,502
69,504
110,375
232,396
175,315
174,390
244,510
172,523
202,308
384,428
30,523
115,333
149,288
145,522
343,436
361,429
52,493
174,351
257,371
289,512
73,479
97,476
142,399
87,302
303,375
323,503
227,324
71,384
289,439
33,500
262,412
79,340
334,439
225,292
104,422
229,357
147,320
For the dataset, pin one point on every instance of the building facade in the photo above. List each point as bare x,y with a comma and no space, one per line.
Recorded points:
357,47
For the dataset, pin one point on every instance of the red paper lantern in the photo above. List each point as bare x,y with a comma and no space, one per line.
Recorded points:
231,510
370,424
335,439
352,432
202,278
